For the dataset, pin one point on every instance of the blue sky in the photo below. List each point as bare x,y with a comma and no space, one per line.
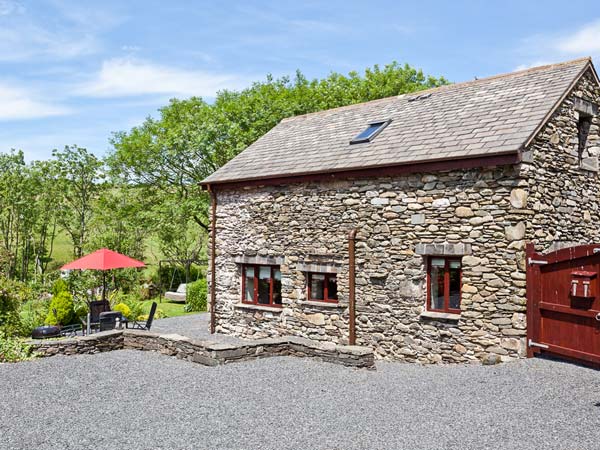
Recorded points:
72,72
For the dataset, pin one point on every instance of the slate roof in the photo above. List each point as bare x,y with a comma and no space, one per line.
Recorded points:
490,116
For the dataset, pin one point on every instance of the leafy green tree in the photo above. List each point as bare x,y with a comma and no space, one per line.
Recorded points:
28,205
47,202
119,221
79,175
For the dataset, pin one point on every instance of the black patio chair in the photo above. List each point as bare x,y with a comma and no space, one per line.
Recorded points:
144,325
97,308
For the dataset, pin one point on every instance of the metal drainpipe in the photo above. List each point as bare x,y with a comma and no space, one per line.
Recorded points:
213,276
352,286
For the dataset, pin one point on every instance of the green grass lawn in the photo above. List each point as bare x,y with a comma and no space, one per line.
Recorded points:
169,308
62,251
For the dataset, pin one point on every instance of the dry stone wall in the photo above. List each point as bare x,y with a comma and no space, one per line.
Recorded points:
208,353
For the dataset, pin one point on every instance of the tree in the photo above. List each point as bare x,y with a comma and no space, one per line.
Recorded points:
120,221
79,175
48,197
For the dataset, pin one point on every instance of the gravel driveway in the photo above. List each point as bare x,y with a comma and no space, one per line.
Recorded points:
143,400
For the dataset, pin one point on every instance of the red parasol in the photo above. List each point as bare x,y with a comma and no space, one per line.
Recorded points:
103,259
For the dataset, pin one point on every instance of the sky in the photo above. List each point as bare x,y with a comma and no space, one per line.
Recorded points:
74,72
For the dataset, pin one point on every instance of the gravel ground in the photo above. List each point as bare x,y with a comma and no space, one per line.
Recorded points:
193,326
144,400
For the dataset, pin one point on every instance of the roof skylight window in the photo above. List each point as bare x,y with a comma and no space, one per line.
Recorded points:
370,132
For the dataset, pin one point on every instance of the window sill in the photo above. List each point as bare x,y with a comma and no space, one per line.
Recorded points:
433,315
321,304
272,309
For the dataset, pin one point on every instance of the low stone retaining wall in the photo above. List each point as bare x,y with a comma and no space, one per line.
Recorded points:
207,353
94,343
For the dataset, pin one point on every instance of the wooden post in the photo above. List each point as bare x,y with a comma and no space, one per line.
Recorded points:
213,247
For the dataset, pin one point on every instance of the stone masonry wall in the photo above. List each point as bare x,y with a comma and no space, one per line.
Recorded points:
308,224
563,186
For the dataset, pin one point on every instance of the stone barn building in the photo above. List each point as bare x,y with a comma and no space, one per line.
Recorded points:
438,192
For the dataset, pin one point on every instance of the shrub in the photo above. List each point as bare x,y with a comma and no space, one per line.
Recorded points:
196,296
33,315
59,286
12,295
61,310
81,309
123,309
129,300
13,350
158,314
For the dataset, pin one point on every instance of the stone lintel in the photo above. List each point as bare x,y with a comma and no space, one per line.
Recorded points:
319,268
586,107
443,249
266,260
434,315
272,309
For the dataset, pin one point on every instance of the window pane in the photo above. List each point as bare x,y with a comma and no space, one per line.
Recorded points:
437,285
454,284
249,291
332,287
264,284
317,286
369,131
276,286
438,262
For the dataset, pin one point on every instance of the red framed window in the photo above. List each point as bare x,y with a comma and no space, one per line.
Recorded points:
322,287
444,284
261,285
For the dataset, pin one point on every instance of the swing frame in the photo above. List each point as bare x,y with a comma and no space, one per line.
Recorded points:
186,263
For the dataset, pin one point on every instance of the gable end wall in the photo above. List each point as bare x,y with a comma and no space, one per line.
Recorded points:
563,196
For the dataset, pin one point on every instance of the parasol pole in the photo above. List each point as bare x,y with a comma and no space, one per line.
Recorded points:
103,285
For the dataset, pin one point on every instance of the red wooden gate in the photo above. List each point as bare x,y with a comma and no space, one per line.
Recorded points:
563,303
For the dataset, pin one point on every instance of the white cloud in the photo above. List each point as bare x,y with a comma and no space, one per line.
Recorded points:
9,7
533,64
555,47
18,103
121,77
585,41
20,42
70,30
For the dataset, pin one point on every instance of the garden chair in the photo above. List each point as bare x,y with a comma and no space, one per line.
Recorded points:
144,325
96,308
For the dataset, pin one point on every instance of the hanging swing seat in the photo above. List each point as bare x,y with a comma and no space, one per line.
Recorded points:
177,296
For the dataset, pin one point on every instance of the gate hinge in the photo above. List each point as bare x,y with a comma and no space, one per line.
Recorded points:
536,344
531,261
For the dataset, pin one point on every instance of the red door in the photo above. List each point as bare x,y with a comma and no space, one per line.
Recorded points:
563,303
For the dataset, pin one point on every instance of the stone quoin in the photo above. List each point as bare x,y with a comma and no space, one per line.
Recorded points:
444,198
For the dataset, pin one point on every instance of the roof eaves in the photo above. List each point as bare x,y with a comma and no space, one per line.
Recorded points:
333,172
